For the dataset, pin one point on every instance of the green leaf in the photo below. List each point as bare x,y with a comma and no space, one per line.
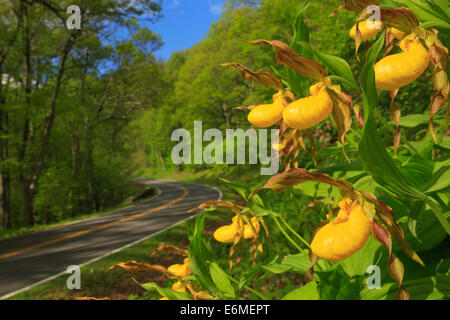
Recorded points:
293,263
445,143
345,83
298,262
435,24
337,285
358,263
305,47
242,190
443,267
259,210
277,268
339,66
296,82
379,164
431,288
427,10
440,179
414,120
376,160
439,213
318,190
198,257
172,295
307,292
220,279
301,31
428,231
370,96
417,170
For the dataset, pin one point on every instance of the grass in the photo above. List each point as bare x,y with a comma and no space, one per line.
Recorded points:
118,284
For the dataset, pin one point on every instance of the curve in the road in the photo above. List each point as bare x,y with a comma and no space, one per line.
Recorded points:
38,257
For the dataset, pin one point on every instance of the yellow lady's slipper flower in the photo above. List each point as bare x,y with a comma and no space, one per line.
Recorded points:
308,112
267,115
399,35
367,30
179,287
180,270
248,230
345,235
398,70
229,233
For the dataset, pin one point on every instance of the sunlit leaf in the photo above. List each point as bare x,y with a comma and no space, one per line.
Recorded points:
172,295
221,280
288,57
282,181
134,267
307,292
265,78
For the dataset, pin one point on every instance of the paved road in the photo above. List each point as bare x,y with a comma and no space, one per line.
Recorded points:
35,257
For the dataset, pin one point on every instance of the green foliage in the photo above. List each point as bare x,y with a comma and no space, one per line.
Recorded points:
414,182
66,102
307,292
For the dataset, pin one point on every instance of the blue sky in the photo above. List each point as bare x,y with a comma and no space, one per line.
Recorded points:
185,22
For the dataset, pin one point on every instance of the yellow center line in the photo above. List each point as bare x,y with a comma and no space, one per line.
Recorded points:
104,226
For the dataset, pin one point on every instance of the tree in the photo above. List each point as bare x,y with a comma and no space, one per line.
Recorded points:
40,58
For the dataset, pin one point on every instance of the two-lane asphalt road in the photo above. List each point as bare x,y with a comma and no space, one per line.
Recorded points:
38,256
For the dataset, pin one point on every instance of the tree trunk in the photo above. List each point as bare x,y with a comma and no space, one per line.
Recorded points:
4,154
28,193
227,115
29,178
3,212
161,160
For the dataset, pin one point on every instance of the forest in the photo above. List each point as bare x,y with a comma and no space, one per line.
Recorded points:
68,98
82,112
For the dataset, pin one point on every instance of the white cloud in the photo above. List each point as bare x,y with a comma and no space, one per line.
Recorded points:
175,3
216,9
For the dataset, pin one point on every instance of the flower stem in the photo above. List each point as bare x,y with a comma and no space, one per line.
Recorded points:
295,233
287,235
256,293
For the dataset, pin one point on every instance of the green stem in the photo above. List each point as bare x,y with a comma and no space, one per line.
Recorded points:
287,235
256,293
389,127
295,233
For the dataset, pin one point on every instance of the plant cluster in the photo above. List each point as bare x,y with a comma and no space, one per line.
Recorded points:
374,194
